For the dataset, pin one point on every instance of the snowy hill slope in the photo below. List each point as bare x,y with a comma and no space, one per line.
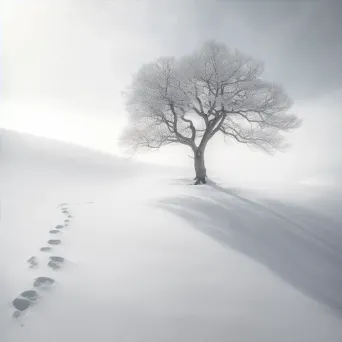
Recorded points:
142,258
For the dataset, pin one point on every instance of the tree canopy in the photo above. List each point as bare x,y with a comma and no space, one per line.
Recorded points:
212,91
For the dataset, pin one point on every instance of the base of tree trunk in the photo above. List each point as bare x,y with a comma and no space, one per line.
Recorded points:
199,181
200,170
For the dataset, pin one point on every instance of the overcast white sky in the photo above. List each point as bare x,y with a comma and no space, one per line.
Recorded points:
64,64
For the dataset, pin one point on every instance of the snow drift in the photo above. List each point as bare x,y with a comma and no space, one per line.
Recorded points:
148,258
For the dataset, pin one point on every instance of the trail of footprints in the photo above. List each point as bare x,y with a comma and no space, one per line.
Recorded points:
29,297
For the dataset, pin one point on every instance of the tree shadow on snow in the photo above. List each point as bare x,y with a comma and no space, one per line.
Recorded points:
302,247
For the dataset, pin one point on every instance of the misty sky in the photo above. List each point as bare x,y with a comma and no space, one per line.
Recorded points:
65,63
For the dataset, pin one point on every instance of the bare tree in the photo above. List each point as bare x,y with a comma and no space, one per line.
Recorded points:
214,90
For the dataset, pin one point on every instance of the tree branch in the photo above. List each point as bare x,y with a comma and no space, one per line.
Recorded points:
181,137
192,127
202,115
217,128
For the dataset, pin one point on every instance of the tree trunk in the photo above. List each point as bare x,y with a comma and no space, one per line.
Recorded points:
201,172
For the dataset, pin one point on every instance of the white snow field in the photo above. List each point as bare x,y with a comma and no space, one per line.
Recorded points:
150,258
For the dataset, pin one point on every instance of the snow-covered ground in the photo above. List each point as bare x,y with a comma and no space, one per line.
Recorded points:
150,258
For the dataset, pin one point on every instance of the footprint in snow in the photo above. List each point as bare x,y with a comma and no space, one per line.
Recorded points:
33,262
56,262
24,301
46,249
43,282
57,259
28,297
31,295
21,304
54,242
54,265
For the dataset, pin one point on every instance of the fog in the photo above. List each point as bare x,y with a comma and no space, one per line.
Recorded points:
66,63
254,255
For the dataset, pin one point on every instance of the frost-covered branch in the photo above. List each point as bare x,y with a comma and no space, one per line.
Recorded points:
212,91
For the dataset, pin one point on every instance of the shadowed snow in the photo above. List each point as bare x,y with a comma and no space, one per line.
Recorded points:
135,268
